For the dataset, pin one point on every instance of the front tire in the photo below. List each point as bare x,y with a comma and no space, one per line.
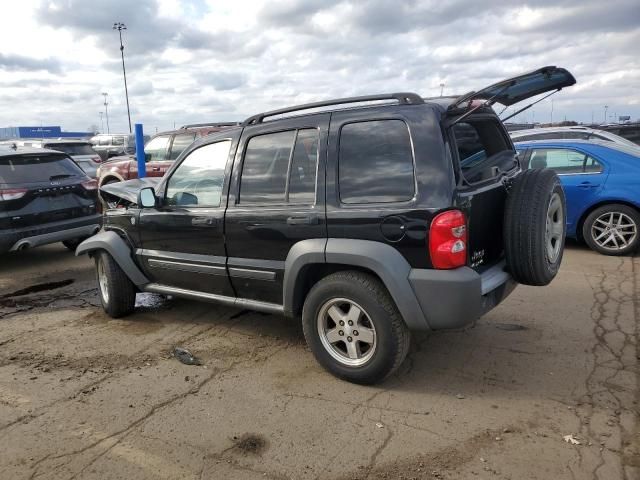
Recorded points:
354,328
117,292
612,229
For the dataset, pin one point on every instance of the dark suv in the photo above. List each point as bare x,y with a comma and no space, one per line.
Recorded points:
377,216
45,197
160,152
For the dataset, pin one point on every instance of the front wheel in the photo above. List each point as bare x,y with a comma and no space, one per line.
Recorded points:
117,292
353,327
612,229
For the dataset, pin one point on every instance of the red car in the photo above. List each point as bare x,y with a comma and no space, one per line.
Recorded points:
160,152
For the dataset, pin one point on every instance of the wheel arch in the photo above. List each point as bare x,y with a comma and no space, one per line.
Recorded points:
118,248
311,260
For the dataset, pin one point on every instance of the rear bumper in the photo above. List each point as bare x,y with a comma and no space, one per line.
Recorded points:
19,238
455,298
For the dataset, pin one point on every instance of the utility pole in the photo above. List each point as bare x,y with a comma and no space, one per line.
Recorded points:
441,89
106,109
606,107
119,27
552,112
101,122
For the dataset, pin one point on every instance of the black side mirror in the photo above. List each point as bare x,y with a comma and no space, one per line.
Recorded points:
147,197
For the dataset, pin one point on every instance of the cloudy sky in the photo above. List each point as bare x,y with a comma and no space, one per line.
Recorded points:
216,60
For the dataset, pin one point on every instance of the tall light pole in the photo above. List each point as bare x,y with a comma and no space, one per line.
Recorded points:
606,107
106,109
552,112
120,27
101,122
441,88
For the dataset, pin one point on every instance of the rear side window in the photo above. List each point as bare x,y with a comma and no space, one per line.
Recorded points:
375,163
37,168
72,148
156,149
180,142
275,161
563,161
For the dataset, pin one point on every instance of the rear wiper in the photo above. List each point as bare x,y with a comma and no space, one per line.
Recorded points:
60,177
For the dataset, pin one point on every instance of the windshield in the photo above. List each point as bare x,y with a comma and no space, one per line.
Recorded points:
36,168
72,148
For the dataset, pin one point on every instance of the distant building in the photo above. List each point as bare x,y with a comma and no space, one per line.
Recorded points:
40,132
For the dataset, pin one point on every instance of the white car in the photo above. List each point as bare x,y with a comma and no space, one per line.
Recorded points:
575,133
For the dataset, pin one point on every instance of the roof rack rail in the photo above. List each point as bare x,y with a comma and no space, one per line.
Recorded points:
404,98
218,124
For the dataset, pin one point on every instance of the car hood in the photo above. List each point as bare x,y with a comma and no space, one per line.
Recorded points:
129,189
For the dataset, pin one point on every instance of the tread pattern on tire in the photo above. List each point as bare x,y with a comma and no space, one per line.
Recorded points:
377,291
523,240
122,293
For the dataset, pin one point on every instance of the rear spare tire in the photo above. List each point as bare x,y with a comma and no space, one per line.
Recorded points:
535,227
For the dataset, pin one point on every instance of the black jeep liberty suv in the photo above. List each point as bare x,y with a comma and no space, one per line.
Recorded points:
367,217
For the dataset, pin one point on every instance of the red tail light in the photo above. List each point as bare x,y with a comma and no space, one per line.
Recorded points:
96,159
12,193
90,184
448,240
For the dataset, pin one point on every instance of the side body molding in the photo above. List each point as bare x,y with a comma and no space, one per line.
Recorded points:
119,250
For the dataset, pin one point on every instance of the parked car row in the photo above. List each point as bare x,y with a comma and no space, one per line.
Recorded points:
81,151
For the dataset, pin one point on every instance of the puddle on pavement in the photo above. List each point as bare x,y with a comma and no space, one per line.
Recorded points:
150,301
39,287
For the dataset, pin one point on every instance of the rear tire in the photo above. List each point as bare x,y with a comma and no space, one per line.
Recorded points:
535,227
612,229
117,292
368,349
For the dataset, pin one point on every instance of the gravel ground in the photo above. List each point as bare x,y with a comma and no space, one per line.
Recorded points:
86,396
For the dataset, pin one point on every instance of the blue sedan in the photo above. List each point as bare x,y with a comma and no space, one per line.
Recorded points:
601,181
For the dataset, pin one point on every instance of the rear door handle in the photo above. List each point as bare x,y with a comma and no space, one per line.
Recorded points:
156,169
306,220
204,221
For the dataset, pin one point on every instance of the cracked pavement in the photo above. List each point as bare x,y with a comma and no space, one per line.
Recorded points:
86,396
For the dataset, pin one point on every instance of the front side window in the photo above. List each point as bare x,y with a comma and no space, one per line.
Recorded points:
118,141
198,181
375,163
180,142
563,161
157,148
272,159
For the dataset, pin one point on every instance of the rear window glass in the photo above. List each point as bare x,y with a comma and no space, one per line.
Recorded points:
180,142
72,148
376,162
483,151
37,168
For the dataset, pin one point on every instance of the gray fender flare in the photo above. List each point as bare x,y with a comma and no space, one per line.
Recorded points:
382,259
119,250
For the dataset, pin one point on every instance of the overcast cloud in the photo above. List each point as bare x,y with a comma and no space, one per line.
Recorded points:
194,61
